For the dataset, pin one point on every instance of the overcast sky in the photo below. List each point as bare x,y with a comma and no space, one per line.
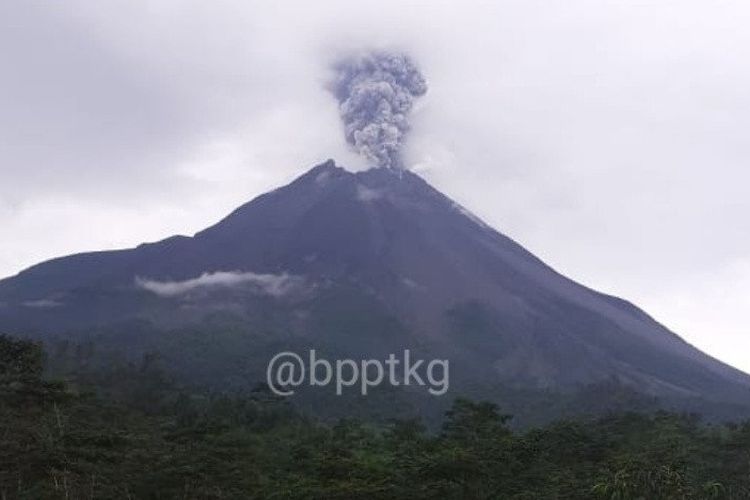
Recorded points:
608,137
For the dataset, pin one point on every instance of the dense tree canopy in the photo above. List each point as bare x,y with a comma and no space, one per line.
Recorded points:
143,437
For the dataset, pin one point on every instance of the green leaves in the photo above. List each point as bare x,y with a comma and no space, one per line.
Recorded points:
179,443
20,360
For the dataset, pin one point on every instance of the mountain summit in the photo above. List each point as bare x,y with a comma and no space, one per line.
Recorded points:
359,264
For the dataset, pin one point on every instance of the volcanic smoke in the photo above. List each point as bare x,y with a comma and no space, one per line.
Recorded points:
376,92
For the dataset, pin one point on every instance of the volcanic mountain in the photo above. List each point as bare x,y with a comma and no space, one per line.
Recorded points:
359,264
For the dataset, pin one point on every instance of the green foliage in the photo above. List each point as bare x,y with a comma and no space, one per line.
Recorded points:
19,359
140,436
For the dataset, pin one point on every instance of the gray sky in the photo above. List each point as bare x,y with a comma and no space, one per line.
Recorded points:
608,137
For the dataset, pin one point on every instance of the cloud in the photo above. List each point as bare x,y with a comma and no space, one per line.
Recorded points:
275,285
42,303
366,194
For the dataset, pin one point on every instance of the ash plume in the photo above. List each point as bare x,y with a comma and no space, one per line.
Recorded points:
376,92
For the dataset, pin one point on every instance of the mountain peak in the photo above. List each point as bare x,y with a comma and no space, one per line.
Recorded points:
371,176
325,169
384,259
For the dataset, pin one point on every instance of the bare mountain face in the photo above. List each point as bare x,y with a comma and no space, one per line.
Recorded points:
359,264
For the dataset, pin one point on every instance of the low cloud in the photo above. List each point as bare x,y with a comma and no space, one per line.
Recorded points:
275,285
42,303
367,194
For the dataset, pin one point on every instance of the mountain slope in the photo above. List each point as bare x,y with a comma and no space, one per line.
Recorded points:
365,264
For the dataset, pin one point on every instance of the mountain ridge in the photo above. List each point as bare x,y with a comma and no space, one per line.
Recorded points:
377,245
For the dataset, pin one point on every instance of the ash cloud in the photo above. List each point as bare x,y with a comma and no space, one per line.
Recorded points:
275,285
376,92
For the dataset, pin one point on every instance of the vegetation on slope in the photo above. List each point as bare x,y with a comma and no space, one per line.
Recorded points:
145,438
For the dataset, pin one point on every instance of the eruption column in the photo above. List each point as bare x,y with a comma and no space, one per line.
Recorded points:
376,93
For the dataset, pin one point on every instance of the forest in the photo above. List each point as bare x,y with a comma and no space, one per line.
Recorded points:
134,434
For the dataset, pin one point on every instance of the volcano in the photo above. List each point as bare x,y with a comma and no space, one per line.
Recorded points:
360,264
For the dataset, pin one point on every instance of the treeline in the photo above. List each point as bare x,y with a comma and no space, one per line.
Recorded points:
142,437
